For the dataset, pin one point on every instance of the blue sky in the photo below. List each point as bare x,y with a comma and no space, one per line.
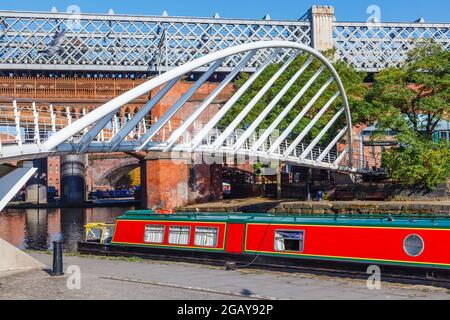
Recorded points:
346,10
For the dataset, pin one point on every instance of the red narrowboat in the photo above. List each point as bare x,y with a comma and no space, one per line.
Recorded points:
282,240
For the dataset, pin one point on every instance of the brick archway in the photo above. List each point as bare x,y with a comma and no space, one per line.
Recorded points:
104,172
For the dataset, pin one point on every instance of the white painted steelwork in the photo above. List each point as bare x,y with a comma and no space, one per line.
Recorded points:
168,133
120,43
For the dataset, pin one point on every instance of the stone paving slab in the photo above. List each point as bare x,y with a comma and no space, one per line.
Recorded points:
123,279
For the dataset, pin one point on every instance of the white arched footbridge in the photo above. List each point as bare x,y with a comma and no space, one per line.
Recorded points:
100,131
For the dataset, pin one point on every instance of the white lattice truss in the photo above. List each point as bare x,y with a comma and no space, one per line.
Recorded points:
374,46
124,43
43,137
118,43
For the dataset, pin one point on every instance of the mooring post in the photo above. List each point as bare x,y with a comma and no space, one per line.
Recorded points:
58,258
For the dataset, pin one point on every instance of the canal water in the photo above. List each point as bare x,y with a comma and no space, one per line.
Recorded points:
36,228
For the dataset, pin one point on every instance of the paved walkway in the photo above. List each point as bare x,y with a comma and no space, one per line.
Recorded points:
114,278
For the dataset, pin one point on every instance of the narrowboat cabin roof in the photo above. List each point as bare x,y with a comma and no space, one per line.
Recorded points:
265,218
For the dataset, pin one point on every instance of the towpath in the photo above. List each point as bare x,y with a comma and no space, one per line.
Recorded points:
116,278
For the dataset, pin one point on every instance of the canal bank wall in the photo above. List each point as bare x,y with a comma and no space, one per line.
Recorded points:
82,204
261,205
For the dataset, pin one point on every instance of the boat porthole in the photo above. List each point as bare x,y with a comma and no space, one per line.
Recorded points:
413,245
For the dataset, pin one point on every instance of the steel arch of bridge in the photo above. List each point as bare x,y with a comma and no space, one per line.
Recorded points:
85,134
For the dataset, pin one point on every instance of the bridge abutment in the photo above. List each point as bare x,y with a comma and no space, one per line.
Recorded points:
170,180
73,180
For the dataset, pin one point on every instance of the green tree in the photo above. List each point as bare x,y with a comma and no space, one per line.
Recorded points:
416,95
419,163
412,100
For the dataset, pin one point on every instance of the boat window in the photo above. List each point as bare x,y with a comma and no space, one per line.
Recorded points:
154,234
179,235
206,237
413,245
289,240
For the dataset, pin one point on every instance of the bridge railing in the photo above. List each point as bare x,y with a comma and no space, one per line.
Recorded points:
28,123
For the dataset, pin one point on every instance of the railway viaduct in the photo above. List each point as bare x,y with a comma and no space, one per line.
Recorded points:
105,56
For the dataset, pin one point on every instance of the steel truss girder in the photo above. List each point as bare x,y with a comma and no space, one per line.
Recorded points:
372,47
125,43
120,43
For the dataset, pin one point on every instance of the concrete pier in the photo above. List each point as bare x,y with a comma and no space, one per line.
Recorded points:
73,181
36,187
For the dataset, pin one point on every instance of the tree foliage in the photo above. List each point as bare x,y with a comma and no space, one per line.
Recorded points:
415,96
412,100
419,163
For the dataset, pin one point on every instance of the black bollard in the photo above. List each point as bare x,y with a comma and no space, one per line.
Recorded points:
58,258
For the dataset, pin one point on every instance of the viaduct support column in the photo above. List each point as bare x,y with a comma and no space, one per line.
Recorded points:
36,187
73,184
321,19
164,180
171,180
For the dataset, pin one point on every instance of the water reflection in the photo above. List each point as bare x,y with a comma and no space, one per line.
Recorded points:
37,228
